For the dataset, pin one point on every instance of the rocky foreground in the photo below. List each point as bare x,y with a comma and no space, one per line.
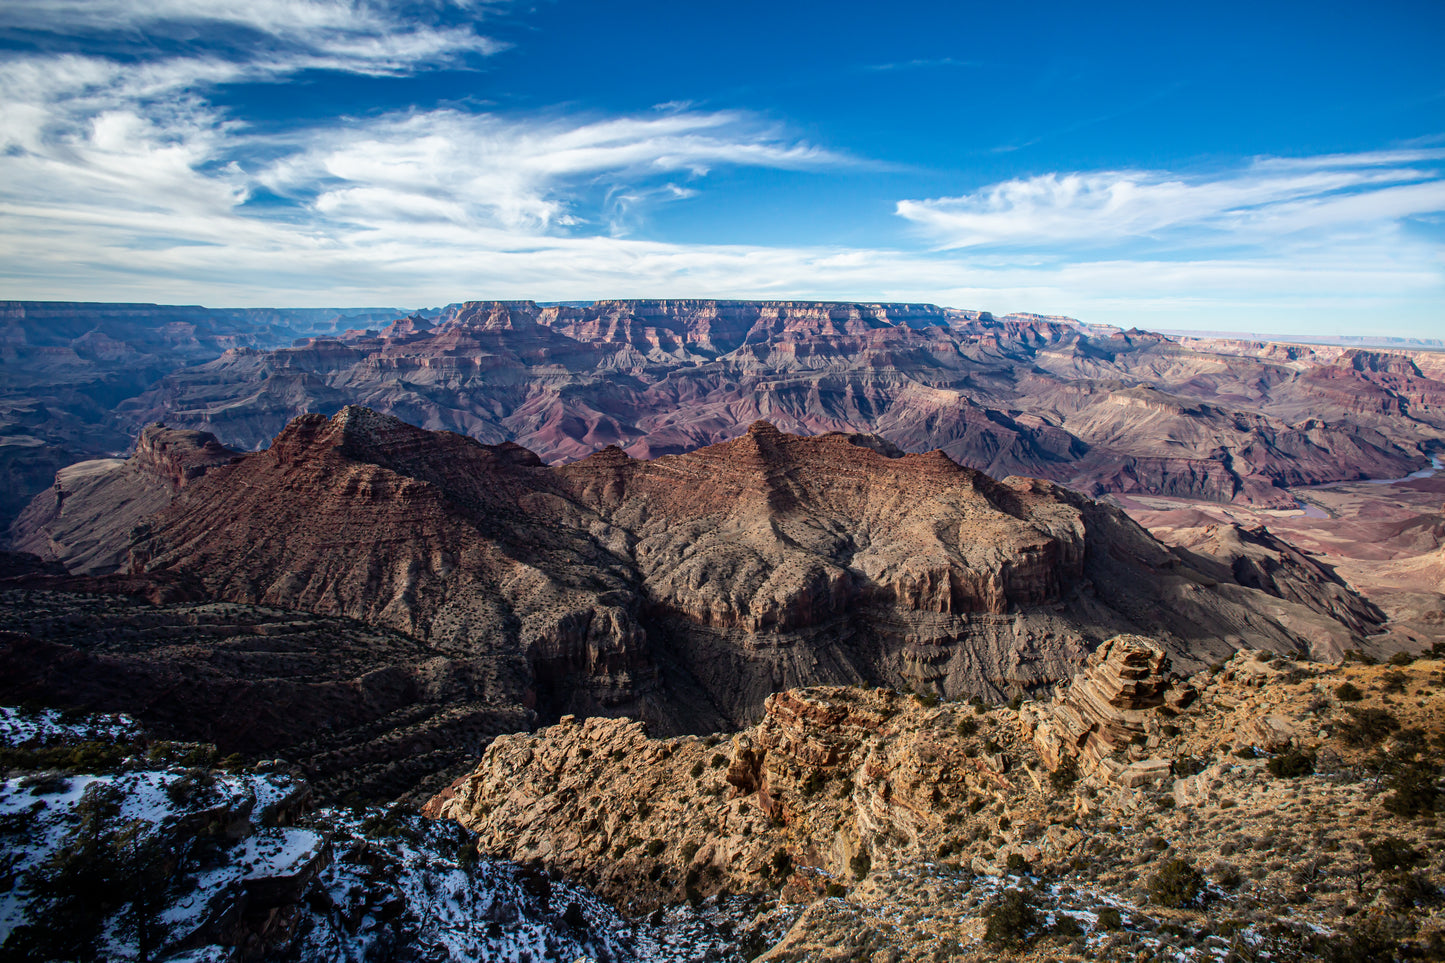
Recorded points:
1262,809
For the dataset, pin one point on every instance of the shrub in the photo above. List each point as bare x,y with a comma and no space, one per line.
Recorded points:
1065,775
781,863
696,770
1110,919
1348,692
926,699
1016,864
860,864
719,760
1176,884
1010,918
1067,927
1401,658
1415,792
1016,702
1367,726
1391,852
656,848
835,890
1292,764
1394,681
966,727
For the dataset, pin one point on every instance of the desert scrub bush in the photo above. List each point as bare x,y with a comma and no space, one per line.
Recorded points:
719,760
1394,681
1292,763
1348,692
1016,864
655,848
1176,884
696,770
1367,726
1227,875
1065,775
1391,852
1414,790
1401,658
966,727
1010,919
781,864
860,864
926,699
1110,919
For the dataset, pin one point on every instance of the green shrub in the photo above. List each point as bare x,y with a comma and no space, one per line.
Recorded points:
1110,919
1176,884
1394,681
1415,792
861,864
835,890
1292,764
1066,927
696,770
1391,852
926,699
1016,864
1401,658
1368,726
1348,692
966,727
1009,919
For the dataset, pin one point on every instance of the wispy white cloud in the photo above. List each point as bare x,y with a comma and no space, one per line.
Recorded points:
1270,198
271,36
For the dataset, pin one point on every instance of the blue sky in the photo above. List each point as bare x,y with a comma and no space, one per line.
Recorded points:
1271,167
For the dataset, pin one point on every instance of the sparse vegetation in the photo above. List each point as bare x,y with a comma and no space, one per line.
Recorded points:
1176,884
1010,919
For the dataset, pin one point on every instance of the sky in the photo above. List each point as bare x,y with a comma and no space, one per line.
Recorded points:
1266,166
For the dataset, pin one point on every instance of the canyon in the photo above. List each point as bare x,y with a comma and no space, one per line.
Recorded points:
1096,408
727,630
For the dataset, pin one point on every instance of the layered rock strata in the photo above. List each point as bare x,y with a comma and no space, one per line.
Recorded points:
688,588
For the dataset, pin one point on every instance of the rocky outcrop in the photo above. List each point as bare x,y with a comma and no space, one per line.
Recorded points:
911,818
688,588
85,520
1107,712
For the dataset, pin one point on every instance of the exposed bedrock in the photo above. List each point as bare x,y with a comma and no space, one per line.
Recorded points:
688,588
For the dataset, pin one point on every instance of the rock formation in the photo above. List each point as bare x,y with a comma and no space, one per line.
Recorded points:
899,822
1107,711
85,519
1096,408
688,588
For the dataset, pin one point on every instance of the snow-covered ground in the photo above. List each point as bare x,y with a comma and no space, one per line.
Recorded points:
174,856
18,727
404,881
